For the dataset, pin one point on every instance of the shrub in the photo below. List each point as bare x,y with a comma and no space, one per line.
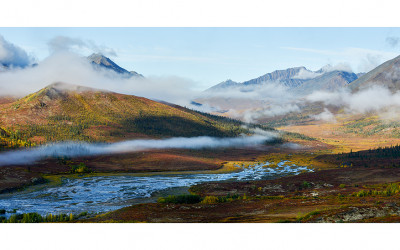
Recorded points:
306,184
391,189
83,214
342,185
210,200
180,199
2,211
80,169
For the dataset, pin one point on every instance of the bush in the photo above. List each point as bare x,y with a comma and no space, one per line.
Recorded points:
80,169
306,184
210,200
390,190
83,214
180,199
342,185
2,211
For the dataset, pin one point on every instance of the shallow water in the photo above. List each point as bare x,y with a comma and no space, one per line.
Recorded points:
98,194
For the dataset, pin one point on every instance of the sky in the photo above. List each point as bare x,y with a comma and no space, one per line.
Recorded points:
211,55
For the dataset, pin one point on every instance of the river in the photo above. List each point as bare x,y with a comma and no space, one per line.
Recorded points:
99,194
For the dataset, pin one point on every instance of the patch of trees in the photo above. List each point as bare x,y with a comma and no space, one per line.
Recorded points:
37,218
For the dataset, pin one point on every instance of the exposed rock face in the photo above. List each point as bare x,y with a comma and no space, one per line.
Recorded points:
98,60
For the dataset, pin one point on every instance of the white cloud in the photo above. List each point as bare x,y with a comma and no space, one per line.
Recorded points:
74,149
359,59
325,116
337,67
12,55
372,99
64,43
71,68
306,74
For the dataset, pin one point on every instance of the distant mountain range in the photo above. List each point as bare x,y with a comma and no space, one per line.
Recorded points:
98,60
299,79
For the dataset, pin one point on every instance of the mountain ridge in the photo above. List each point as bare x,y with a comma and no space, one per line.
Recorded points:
99,60
294,79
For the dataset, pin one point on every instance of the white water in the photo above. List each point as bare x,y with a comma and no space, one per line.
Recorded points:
106,193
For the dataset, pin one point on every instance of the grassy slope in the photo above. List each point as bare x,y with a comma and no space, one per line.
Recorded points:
52,114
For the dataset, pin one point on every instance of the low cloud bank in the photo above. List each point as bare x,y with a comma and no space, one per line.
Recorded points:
372,99
72,68
252,102
75,149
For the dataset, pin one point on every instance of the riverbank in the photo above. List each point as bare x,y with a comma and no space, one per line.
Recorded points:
334,195
95,193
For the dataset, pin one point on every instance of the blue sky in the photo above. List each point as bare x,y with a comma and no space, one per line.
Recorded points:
211,55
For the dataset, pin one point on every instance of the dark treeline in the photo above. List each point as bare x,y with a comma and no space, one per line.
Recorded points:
386,157
392,152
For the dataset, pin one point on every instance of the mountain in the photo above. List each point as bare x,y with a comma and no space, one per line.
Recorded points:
386,75
68,112
224,85
286,77
329,81
98,60
299,79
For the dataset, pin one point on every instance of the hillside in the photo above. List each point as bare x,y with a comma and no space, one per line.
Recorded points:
329,81
69,112
387,75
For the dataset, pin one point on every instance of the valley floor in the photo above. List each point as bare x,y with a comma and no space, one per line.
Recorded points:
335,192
324,196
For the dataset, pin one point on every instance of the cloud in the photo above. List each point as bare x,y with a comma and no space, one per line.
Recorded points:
325,116
64,43
254,115
337,67
306,74
393,41
375,98
74,149
71,68
360,59
262,91
12,55
252,102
